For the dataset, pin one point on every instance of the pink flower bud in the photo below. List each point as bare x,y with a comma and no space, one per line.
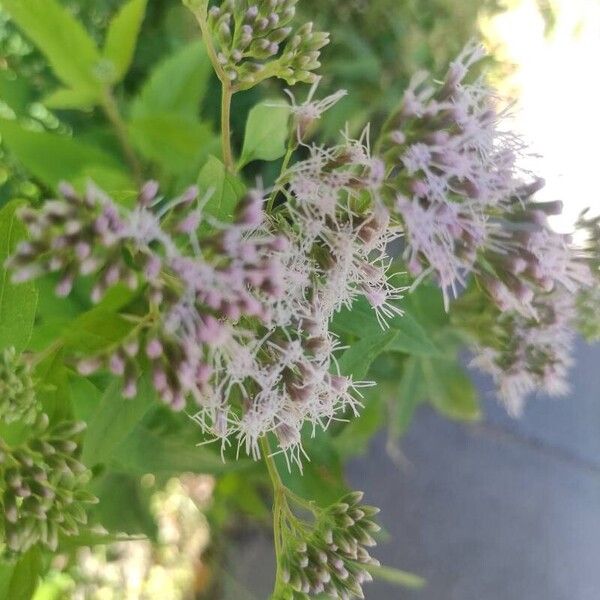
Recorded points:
154,349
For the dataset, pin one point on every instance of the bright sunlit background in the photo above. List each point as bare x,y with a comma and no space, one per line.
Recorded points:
555,81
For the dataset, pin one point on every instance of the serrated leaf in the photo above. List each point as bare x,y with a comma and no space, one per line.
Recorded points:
358,358
450,389
122,35
176,86
53,158
266,132
18,302
71,52
227,189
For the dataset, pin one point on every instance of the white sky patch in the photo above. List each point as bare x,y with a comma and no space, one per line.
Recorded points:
557,87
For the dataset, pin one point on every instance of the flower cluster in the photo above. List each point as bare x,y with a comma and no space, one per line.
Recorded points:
533,276
337,235
450,167
17,388
528,354
42,485
333,558
453,182
343,230
527,258
255,40
234,316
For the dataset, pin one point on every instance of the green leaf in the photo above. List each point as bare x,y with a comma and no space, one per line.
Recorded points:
361,354
354,438
17,302
55,586
70,51
426,304
450,389
361,320
65,98
53,158
227,189
122,35
24,576
55,394
16,91
85,397
144,451
101,327
412,337
266,132
322,476
407,397
396,577
176,86
177,144
113,420
95,331
124,505
53,314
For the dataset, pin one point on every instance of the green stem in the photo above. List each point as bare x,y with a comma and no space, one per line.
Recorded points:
284,165
226,91
226,95
111,110
265,448
279,503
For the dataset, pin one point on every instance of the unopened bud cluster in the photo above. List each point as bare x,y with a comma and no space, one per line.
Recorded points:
42,484
256,40
17,388
332,560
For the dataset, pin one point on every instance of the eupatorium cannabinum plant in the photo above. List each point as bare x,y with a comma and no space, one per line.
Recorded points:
238,291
